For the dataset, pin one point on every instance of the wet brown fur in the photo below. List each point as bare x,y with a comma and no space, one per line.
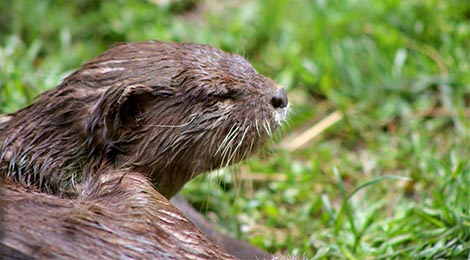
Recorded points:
88,162
141,106
98,225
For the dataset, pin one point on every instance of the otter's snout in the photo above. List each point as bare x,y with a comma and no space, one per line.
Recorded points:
280,99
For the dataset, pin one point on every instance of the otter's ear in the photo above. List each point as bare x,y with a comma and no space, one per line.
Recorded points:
135,99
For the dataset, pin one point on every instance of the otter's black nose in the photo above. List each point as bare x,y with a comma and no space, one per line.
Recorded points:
280,99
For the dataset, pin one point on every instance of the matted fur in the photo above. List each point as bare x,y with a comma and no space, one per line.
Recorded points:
170,111
86,169
99,225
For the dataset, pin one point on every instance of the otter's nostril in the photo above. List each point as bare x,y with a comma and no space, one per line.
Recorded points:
280,99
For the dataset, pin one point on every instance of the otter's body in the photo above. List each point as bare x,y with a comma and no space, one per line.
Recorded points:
90,164
121,218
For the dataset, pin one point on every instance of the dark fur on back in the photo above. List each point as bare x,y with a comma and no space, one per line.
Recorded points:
169,111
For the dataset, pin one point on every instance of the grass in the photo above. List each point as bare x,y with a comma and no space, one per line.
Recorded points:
389,180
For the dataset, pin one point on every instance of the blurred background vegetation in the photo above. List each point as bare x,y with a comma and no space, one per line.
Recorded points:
387,177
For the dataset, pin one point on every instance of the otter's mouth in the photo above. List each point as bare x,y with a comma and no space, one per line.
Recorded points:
280,115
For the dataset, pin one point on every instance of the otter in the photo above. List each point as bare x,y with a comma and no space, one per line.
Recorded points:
91,164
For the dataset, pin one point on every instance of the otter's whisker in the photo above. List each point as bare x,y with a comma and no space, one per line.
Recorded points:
249,150
267,128
228,148
257,128
241,141
233,130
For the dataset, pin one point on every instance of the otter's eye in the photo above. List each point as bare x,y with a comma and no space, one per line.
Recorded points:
228,94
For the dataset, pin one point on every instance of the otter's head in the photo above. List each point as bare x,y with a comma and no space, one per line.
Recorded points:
173,111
